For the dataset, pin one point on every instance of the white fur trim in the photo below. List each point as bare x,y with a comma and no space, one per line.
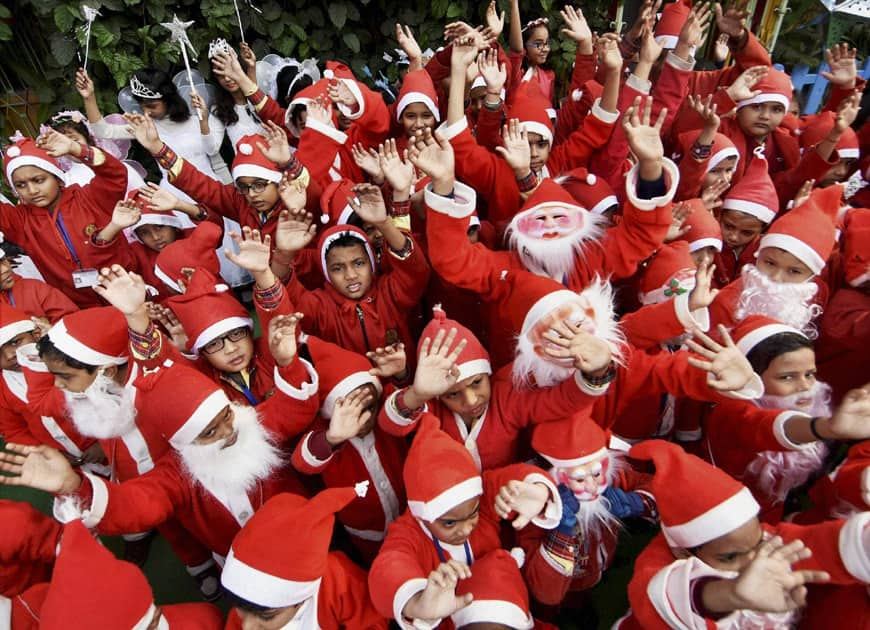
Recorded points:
497,611
99,501
657,296
462,204
264,589
5,612
344,387
403,595
417,97
667,41
473,368
552,512
746,343
156,218
575,461
365,534
780,434
753,390
28,357
146,619
705,242
720,155
450,498
855,546
219,328
865,485
587,388
339,137
672,180
796,247
396,418
760,212
715,522
849,153
310,458
857,282
679,63
29,160
305,390
360,101
699,318
199,419
69,345
533,126
10,331
546,304
169,282
602,114
766,97
255,170
637,84
605,204
454,129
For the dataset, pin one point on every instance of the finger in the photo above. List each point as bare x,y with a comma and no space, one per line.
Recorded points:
698,349
701,365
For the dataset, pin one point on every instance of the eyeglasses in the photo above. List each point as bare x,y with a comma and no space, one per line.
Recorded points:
539,45
257,187
215,345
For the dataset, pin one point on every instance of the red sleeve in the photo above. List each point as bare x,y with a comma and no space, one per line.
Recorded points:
293,406
852,479
546,584
317,307
609,161
847,319
308,456
53,302
489,123
579,146
222,198
742,425
345,591
399,561
12,222
520,408
811,166
106,188
838,547
482,170
407,279
13,426
653,324
838,94
670,90
692,173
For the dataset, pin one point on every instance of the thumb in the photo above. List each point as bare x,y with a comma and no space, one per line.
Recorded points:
464,600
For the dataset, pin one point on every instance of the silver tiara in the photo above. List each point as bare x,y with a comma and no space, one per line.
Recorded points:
217,47
141,90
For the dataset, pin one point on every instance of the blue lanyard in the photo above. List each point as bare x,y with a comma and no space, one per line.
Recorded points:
11,297
66,239
443,557
251,399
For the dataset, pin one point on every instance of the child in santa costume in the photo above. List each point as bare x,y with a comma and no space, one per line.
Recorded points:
90,588
453,381
530,44
32,296
453,519
175,263
28,547
709,159
598,489
345,445
298,583
777,443
704,234
72,216
715,565
816,129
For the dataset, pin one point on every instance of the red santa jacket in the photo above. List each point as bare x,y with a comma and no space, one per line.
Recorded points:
38,299
28,546
409,553
81,211
342,600
729,263
844,336
661,586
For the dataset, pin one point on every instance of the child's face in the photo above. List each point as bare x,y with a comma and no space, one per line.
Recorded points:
269,619
759,119
739,228
735,550
791,373
837,173
156,237
722,172
538,45
260,193
540,151
469,397
350,271
156,108
456,525
704,254
8,357
236,353
70,379
36,186
7,278
782,266
70,132
417,117
476,97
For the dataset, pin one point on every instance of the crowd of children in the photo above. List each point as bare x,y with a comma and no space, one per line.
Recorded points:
415,361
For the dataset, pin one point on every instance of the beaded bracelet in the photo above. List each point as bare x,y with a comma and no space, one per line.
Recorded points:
401,208
293,168
166,157
604,379
527,183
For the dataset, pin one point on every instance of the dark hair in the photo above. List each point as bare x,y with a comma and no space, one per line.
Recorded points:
248,606
157,80
11,251
285,79
47,350
763,354
224,107
62,123
347,240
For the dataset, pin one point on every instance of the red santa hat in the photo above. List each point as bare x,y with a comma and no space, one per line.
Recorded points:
500,594
674,16
197,250
417,87
251,162
571,442
532,112
670,273
305,96
439,472
279,575
856,246
817,129
95,336
334,205
704,229
590,191
551,196
754,329
13,322
25,153
697,502
91,588
722,149
149,216
336,232
335,71
754,194
340,372
196,401
807,232
207,310
474,359
774,87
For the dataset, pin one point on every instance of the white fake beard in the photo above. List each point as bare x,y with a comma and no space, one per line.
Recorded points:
594,515
820,407
236,468
787,302
104,410
554,258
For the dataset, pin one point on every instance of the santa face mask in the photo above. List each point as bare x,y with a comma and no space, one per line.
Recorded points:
587,481
552,222
579,313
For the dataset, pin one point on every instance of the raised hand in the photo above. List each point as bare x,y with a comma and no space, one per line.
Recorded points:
39,467
126,214
158,198
494,21
841,60
276,149
293,192
696,25
433,155
803,193
703,293
650,49
493,73
145,132
367,160
679,213
741,89
732,22
436,367
706,109
608,52
349,417
576,27
166,318
198,104
644,139
527,499
439,599
847,112
720,48
56,144
84,85
588,353
464,53
282,337
390,362
645,19
368,204
247,54
340,94
320,111
516,151
727,369
408,42
295,230
122,289
398,172
711,196
851,420
227,65
254,250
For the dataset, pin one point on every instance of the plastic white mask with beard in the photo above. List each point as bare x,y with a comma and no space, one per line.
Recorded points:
227,470
788,302
815,402
549,237
588,481
104,410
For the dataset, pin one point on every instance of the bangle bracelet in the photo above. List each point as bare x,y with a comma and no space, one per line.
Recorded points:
814,431
527,183
604,379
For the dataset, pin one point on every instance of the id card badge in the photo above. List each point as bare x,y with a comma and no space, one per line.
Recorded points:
85,278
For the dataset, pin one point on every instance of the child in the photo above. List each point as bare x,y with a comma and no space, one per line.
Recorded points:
32,296
532,44
704,235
